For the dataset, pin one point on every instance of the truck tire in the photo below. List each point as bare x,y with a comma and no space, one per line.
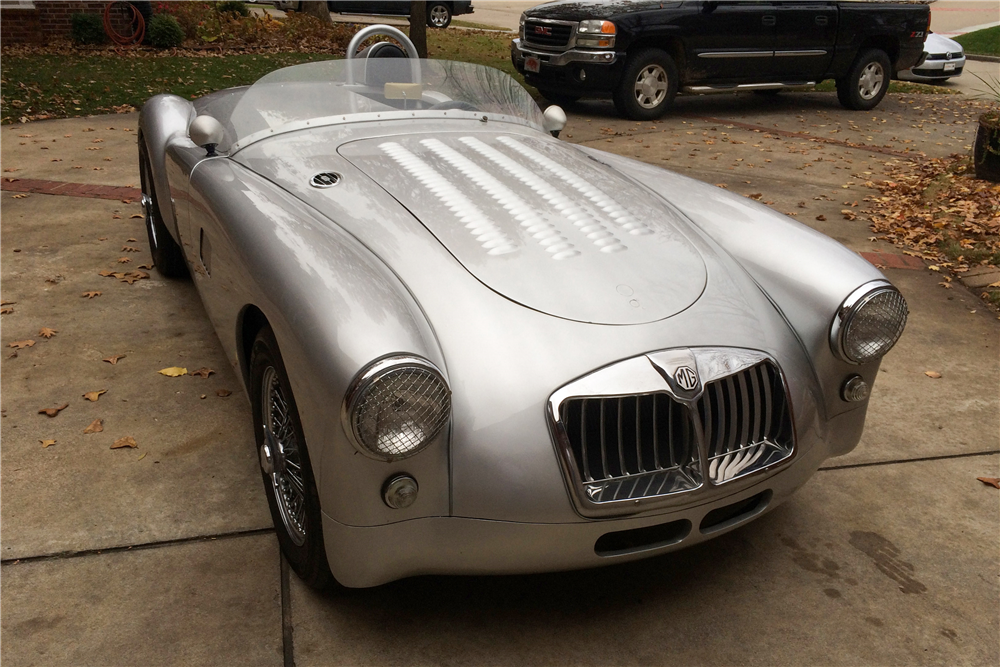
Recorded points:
648,85
867,81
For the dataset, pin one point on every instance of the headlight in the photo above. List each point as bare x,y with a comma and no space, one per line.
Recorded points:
868,323
596,33
395,407
520,26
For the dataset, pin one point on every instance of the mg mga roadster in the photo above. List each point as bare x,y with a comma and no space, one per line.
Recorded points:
472,348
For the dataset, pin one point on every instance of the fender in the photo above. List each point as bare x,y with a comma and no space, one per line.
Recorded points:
163,122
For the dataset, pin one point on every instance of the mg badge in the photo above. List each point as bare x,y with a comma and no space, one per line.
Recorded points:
543,30
686,378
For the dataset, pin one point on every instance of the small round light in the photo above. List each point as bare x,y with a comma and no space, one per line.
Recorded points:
855,389
399,491
395,407
869,323
583,74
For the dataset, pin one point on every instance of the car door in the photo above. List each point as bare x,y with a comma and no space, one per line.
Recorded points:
729,42
805,36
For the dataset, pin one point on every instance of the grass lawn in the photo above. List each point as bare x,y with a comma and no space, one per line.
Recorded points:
985,42
57,86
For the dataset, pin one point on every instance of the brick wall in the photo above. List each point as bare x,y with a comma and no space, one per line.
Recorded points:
49,20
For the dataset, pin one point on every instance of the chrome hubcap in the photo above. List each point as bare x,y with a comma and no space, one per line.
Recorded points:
147,204
651,86
280,459
870,83
439,16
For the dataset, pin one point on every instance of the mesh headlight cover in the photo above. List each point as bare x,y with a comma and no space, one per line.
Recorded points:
872,325
396,407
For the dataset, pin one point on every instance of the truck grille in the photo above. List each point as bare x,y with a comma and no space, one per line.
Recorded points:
632,446
746,422
643,445
546,34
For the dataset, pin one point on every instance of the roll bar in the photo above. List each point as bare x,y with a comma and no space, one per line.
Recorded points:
386,31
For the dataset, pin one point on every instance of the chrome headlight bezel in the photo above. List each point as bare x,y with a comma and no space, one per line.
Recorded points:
366,381
847,315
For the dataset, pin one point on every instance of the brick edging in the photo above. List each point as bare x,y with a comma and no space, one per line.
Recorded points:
92,191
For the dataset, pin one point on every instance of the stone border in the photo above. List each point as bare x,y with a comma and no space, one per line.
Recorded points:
126,194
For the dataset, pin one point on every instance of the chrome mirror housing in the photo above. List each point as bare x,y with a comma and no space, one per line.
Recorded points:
555,120
207,132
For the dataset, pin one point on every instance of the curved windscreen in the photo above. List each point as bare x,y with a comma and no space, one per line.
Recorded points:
335,90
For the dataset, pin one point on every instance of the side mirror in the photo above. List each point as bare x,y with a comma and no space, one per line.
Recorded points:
555,120
206,132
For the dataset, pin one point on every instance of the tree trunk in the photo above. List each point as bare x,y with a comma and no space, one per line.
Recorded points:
418,26
317,8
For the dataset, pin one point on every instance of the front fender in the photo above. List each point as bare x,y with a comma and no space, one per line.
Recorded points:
805,274
163,121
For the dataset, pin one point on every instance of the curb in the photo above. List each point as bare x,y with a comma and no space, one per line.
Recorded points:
985,59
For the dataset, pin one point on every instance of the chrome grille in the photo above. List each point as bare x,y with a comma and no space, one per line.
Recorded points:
746,422
632,446
558,34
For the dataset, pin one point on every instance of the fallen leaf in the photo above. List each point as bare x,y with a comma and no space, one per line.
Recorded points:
106,273
122,443
132,276
47,333
849,214
20,196
96,426
52,412
821,218
90,295
141,457
18,344
131,240
222,393
49,443
128,248
992,481
113,359
124,260
146,266
92,396
203,396
173,371
7,303
135,215
203,372
6,311
932,374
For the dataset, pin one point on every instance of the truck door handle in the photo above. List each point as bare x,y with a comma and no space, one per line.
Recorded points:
822,20
769,20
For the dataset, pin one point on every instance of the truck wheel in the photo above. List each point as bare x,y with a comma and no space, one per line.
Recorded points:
648,85
438,15
867,82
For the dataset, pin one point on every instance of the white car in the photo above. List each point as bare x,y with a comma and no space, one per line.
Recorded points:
945,59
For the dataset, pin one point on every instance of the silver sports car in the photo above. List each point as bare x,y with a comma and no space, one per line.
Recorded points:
470,347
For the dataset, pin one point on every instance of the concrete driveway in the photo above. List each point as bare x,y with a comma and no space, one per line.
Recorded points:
163,553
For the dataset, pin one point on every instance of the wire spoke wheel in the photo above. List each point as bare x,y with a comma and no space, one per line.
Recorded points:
651,86
871,81
280,457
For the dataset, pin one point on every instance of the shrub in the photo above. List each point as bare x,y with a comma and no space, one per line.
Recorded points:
232,7
88,29
164,32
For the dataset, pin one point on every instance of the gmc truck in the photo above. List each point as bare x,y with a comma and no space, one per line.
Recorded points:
642,53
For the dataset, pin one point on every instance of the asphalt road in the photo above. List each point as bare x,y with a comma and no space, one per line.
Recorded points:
163,554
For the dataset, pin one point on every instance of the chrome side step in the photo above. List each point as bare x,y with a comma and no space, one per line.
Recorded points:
735,88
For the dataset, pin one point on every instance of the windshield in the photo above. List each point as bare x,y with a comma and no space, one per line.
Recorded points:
335,91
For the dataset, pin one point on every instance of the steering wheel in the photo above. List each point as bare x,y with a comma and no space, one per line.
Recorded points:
452,104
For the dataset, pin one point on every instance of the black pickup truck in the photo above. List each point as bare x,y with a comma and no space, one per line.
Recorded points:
641,53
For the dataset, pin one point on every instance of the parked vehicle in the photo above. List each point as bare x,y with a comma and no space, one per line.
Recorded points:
945,59
439,12
472,348
642,53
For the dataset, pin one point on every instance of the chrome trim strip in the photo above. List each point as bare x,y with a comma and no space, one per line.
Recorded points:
736,54
804,52
854,300
708,90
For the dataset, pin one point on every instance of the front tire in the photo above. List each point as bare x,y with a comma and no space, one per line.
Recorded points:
438,15
648,85
285,466
867,82
167,255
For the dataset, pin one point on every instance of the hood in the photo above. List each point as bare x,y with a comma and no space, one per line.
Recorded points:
541,223
577,10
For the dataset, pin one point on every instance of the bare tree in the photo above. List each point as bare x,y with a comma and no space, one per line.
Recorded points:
317,8
418,26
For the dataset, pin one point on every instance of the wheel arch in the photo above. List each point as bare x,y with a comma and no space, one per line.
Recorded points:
673,46
163,119
886,43
248,324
